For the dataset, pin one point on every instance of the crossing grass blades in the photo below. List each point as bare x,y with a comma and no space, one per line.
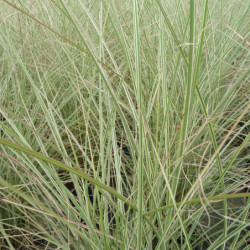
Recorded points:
124,124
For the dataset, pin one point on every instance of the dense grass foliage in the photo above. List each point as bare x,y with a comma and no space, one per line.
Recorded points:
124,124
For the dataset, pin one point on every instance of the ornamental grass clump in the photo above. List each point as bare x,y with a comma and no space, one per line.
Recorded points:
124,124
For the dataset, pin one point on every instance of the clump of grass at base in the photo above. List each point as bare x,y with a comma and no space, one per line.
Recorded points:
124,125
